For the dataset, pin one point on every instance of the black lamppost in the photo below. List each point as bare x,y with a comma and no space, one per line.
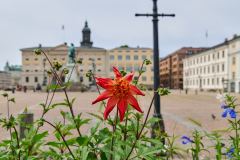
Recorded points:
44,73
157,111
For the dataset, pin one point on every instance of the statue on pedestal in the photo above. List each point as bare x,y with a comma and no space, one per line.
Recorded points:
71,54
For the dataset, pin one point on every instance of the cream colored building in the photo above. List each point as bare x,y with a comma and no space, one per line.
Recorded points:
217,68
5,80
131,59
98,60
34,67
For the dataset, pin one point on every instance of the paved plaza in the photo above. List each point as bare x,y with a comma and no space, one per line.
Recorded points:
177,108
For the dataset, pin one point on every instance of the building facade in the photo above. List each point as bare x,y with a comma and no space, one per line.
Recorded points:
35,66
99,60
130,59
5,80
217,68
171,67
15,72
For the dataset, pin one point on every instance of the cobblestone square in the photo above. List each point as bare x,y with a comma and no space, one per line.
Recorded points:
177,108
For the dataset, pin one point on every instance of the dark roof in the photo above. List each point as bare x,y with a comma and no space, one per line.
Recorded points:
125,47
49,48
184,50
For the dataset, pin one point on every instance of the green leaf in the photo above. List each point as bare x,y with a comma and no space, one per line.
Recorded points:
82,141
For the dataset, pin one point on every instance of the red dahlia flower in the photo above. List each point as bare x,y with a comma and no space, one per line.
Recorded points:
119,92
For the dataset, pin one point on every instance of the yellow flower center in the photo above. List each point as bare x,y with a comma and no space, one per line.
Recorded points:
121,88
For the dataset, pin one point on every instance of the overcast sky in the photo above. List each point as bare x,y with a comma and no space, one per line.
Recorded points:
26,23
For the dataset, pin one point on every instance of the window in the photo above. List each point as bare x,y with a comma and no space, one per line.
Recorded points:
233,75
208,57
223,67
27,70
213,69
112,57
136,67
119,57
35,79
127,57
217,81
26,59
144,57
99,70
99,59
212,81
36,70
81,79
135,57
128,68
217,68
213,56
144,78
233,60
218,55
223,54
27,79
35,59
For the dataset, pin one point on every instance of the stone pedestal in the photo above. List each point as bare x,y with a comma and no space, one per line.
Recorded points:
72,73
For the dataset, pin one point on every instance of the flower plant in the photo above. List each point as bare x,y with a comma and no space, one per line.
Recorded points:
125,136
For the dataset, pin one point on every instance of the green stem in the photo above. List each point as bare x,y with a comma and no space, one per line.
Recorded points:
18,142
144,124
63,138
114,129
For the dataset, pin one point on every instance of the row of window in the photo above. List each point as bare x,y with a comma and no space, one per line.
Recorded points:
27,79
63,59
120,51
205,58
206,70
130,68
128,57
205,81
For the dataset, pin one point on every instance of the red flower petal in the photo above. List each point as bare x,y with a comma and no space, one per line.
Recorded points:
116,72
105,83
122,107
129,77
106,94
135,90
110,105
133,102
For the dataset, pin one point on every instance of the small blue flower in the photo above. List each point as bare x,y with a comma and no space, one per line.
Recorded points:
229,111
229,154
186,140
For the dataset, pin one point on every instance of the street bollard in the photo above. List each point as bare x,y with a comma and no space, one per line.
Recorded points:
25,123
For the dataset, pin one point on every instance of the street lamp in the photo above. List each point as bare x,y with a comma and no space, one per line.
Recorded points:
157,104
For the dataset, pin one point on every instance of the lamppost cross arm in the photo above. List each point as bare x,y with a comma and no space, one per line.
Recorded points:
152,15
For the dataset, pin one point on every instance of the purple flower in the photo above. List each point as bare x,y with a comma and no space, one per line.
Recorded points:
229,111
229,154
186,140
224,106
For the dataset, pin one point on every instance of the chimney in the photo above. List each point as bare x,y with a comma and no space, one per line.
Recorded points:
40,45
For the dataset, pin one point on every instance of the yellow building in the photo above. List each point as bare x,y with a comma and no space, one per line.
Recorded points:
130,59
99,60
34,67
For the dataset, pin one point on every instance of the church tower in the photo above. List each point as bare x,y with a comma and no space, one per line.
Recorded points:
86,36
